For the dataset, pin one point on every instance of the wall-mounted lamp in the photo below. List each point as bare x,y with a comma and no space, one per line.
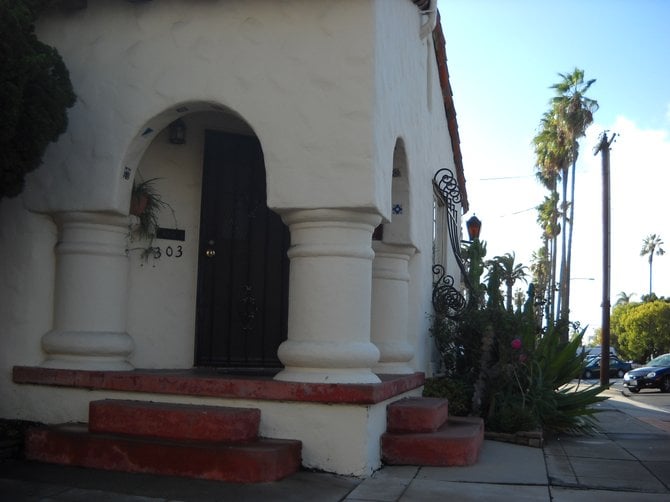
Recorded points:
177,130
474,225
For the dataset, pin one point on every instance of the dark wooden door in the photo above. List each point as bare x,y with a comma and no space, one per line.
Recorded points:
242,301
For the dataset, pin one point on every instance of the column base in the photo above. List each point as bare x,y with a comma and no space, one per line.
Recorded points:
87,363
85,350
328,362
393,369
327,375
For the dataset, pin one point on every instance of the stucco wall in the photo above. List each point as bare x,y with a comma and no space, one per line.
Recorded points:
409,106
26,285
299,72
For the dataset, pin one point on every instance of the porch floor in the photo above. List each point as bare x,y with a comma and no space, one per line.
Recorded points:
210,382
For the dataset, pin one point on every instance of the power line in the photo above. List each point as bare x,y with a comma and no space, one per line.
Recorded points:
507,178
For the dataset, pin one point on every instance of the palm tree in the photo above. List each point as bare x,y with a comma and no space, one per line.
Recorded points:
539,268
509,273
547,218
551,152
624,298
650,246
574,112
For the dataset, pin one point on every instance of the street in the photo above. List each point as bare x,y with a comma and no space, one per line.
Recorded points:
647,397
652,399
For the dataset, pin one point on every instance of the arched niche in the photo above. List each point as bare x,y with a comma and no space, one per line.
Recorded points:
397,231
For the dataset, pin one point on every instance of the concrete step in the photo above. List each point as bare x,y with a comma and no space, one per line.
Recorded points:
456,443
262,460
174,421
417,414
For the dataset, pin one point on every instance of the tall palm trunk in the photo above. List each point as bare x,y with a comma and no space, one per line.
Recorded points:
565,313
508,304
563,269
551,292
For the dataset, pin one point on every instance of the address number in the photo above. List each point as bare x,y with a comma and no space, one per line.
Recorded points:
169,251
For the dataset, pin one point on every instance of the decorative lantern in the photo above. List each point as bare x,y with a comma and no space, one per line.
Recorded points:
177,130
474,225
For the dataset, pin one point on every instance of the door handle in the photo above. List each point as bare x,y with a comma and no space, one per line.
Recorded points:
210,253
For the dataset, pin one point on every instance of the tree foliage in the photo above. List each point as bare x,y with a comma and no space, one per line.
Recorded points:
35,93
642,329
509,272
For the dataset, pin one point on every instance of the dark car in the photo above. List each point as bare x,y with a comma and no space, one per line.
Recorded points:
653,375
617,367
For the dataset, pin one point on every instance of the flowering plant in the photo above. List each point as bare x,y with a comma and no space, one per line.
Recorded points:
515,372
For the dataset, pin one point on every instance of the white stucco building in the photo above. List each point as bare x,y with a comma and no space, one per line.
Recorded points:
308,125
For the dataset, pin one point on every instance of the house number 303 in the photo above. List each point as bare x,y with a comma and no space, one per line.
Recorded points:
169,251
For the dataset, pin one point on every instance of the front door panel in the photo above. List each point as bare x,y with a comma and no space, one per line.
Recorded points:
242,300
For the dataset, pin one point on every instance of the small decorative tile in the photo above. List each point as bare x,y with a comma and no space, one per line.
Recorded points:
126,173
397,209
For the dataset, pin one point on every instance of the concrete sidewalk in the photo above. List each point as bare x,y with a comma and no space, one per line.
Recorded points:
630,457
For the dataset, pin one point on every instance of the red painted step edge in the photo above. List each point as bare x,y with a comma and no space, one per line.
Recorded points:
417,414
456,443
264,460
174,421
209,383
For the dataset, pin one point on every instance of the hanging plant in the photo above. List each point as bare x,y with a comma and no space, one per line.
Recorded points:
146,203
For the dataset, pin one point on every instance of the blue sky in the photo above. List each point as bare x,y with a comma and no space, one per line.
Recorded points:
503,55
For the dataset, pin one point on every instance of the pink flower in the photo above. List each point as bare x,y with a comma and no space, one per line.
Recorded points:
522,358
516,344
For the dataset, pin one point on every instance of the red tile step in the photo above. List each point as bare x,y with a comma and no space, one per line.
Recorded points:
173,421
411,439
260,461
417,414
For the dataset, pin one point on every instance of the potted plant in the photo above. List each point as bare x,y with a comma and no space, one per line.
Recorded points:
146,203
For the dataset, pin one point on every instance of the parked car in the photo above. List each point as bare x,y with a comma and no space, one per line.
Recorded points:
654,374
617,367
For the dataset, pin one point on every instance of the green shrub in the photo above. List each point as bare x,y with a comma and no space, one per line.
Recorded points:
458,392
500,365
35,93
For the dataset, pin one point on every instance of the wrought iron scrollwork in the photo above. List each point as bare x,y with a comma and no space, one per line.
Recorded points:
247,309
447,300
447,184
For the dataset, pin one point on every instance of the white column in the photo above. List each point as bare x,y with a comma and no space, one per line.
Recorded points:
390,307
330,287
91,294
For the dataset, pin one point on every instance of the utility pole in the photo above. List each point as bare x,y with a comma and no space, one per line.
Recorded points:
604,148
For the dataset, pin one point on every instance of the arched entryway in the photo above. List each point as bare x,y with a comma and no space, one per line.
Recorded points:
225,299
390,275
219,296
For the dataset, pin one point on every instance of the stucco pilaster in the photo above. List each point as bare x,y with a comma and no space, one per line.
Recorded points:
90,316
390,307
329,297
